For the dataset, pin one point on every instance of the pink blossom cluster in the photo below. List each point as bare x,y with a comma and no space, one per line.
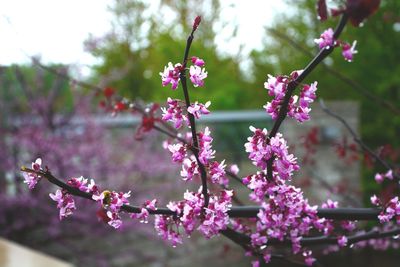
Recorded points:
198,109
261,149
379,177
191,215
82,184
171,73
112,202
277,88
143,216
32,178
391,210
327,40
65,202
175,112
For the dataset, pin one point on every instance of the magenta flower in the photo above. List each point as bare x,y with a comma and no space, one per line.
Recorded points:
166,227
65,202
198,109
326,39
234,169
198,61
171,75
392,210
342,241
174,113
80,183
349,51
189,169
178,152
33,178
217,172
379,177
206,153
216,214
277,87
143,216
115,220
112,202
308,259
375,200
197,75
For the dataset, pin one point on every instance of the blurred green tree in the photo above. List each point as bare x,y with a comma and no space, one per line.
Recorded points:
143,40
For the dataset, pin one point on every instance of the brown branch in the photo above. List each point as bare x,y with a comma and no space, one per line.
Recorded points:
195,146
323,53
370,214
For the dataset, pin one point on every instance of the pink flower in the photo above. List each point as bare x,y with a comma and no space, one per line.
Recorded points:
206,153
308,259
326,39
144,212
342,241
277,87
392,210
65,202
174,113
79,183
33,178
115,220
166,227
348,51
330,204
171,75
197,75
178,152
234,169
198,61
142,216
189,169
112,202
258,240
216,214
379,177
217,172
375,200
199,109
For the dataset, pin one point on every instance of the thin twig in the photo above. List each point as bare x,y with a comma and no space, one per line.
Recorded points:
195,150
323,53
357,139
353,84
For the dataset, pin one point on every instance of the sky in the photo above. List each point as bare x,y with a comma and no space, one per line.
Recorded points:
55,30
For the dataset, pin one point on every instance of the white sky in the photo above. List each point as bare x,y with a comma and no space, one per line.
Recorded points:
55,30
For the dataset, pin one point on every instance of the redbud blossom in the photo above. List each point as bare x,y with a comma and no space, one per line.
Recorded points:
171,75
32,178
342,241
326,39
349,51
198,109
198,61
65,202
174,113
197,75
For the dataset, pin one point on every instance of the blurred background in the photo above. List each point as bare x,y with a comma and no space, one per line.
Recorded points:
124,45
